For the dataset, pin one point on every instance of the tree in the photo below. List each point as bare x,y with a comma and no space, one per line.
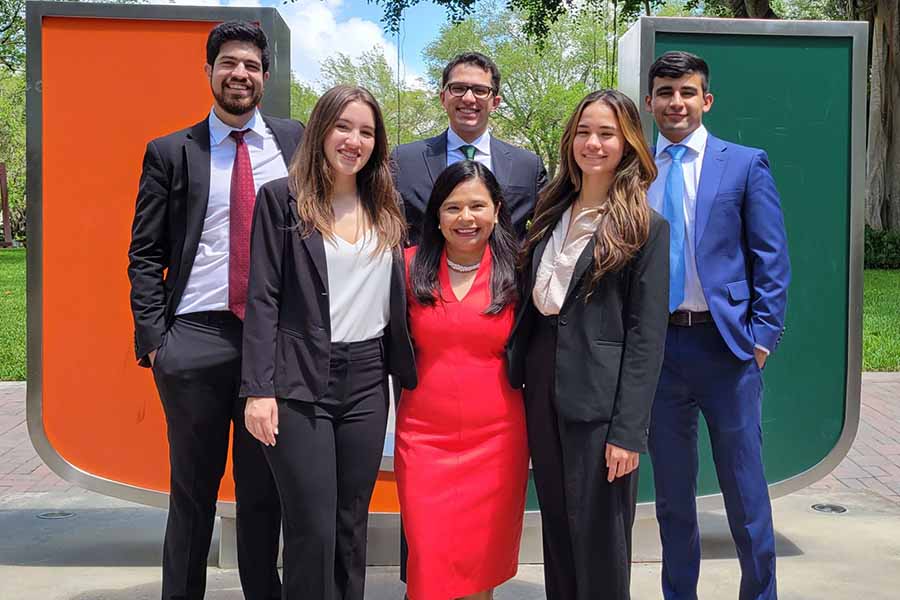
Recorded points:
409,113
12,145
303,99
12,35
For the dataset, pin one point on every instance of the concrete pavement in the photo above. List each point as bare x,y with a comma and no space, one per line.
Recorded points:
110,549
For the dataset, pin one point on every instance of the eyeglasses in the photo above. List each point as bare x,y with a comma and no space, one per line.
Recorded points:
459,90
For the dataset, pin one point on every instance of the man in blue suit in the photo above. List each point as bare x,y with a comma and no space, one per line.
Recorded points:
729,272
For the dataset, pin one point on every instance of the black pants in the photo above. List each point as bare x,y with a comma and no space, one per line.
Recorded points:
586,521
197,372
325,462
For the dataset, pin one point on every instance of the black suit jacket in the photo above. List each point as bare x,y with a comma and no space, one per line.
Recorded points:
609,349
520,173
287,328
168,220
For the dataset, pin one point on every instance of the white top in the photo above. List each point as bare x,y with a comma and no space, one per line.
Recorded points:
207,285
359,288
692,163
482,148
557,266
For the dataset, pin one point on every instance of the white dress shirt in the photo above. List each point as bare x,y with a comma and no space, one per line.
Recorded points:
692,163
359,288
482,148
207,285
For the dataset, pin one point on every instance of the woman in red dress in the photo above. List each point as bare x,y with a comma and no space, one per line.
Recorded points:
462,451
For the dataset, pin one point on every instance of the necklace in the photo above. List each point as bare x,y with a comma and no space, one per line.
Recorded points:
462,268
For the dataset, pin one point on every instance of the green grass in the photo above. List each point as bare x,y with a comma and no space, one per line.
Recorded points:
881,318
12,314
881,321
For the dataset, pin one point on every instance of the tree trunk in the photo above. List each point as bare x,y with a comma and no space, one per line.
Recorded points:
4,202
883,154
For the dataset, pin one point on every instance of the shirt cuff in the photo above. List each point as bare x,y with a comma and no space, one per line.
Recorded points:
763,348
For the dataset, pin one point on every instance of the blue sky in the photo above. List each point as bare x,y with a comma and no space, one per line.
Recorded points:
321,28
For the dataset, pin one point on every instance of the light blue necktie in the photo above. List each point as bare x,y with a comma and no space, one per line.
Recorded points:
673,211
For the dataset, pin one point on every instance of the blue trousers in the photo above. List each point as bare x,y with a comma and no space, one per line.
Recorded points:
700,374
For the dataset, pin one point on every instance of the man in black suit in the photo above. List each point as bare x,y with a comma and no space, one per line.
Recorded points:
470,92
188,269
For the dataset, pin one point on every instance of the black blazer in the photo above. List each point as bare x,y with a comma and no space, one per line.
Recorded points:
609,349
521,175
168,220
287,327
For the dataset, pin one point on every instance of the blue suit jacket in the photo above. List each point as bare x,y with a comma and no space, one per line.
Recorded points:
741,246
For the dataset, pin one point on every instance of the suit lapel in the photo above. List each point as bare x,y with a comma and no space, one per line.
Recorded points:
284,139
315,245
710,177
584,261
501,162
435,155
536,258
196,152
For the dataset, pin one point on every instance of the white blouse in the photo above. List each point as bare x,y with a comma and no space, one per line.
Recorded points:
359,288
557,266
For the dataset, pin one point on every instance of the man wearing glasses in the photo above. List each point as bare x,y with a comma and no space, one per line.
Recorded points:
470,87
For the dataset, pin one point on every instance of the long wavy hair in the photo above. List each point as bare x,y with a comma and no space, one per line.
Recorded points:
625,225
311,177
423,270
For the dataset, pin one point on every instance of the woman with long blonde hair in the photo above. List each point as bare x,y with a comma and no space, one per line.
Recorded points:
588,345
325,324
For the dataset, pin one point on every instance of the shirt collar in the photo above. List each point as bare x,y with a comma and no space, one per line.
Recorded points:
218,130
695,142
482,142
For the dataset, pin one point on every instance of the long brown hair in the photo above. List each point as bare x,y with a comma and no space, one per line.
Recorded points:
311,178
625,225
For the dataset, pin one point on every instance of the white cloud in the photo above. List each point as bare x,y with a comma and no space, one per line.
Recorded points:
317,32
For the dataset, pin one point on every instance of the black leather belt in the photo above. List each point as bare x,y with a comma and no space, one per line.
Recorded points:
216,318
686,318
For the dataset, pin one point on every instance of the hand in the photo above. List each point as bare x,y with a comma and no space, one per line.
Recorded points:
261,419
760,356
620,461
152,357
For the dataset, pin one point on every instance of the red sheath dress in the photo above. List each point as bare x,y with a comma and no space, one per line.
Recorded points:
461,454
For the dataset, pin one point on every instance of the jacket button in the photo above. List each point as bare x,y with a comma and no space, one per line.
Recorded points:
563,321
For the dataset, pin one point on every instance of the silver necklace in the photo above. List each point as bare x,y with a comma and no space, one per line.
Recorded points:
462,268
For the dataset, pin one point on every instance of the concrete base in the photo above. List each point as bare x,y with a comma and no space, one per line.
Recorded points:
111,550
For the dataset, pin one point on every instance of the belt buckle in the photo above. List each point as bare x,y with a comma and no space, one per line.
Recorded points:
690,320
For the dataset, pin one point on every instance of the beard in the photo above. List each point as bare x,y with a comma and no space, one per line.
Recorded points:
237,106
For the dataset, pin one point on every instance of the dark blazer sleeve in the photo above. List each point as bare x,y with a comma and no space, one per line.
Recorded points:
541,179
264,286
646,314
148,255
767,243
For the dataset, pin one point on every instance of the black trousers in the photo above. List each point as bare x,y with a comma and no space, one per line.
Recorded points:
197,372
586,521
325,461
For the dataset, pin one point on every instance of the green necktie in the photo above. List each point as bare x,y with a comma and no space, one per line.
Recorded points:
469,151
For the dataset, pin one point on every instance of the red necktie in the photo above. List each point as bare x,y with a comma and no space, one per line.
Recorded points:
243,195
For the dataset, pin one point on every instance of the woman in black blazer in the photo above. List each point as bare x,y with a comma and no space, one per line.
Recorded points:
588,345
325,324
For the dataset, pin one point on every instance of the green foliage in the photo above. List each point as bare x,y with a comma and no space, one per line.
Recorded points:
12,145
409,113
12,36
12,314
303,99
882,250
881,321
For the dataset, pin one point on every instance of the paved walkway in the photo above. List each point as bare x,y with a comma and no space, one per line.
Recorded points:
873,462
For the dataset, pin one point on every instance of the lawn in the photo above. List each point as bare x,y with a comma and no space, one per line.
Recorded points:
881,321
12,314
881,318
